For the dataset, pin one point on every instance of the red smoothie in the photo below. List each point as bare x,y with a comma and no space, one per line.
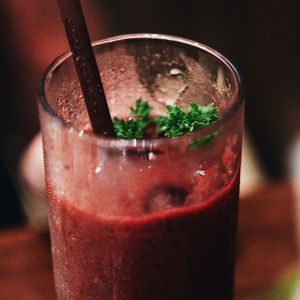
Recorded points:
181,253
148,219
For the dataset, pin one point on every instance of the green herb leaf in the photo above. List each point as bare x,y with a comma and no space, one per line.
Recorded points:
178,122
142,109
134,127
203,139
130,129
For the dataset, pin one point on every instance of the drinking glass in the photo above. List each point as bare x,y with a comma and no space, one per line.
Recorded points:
151,218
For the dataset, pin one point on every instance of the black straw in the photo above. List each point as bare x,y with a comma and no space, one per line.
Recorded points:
86,66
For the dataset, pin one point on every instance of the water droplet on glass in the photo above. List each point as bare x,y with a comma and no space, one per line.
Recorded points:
201,172
98,169
175,71
151,156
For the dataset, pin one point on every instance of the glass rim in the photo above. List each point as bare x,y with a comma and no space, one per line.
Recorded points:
142,143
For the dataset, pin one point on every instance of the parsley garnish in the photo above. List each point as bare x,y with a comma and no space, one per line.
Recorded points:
177,121
203,139
134,127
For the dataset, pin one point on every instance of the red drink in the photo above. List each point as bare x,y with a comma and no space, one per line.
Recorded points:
183,254
149,219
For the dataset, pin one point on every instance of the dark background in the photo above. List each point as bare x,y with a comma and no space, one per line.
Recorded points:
260,37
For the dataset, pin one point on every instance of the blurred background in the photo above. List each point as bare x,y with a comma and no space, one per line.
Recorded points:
260,37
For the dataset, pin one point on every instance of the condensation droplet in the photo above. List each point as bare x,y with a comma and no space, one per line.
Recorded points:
175,71
201,172
98,169
151,156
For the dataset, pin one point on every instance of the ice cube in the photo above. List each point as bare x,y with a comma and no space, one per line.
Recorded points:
165,197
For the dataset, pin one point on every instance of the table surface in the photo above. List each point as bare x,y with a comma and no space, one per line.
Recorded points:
266,249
